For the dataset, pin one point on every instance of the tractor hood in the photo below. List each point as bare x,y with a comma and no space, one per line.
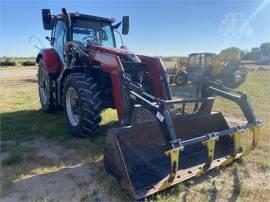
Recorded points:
108,50
124,54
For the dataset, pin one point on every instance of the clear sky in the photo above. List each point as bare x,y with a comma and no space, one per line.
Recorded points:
168,28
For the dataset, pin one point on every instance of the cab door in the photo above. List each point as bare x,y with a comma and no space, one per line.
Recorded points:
194,67
59,38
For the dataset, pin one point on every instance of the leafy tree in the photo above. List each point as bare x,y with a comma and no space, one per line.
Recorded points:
265,49
258,54
255,53
231,50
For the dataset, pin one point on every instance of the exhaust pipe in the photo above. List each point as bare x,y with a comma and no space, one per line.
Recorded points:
68,22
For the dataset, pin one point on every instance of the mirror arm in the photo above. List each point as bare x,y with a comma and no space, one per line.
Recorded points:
116,26
48,38
120,37
52,40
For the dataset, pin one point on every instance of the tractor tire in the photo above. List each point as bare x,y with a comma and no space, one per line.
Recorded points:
235,79
44,88
82,104
181,79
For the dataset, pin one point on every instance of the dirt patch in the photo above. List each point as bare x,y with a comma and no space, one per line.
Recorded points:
59,185
14,73
234,120
45,149
58,178
70,183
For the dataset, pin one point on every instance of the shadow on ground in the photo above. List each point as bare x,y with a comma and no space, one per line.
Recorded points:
27,124
73,167
46,162
236,185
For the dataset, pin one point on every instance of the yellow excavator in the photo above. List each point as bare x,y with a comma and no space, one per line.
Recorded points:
224,67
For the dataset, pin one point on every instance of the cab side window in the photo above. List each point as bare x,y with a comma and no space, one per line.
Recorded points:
202,59
59,38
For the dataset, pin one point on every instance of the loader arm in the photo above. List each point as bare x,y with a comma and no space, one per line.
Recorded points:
212,88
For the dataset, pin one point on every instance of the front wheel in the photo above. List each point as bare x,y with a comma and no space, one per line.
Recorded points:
82,104
181,79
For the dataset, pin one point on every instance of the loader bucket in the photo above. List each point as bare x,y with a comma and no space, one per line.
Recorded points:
135,154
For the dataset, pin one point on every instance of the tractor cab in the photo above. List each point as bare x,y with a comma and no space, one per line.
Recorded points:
198,65
90,32
85,30
223,67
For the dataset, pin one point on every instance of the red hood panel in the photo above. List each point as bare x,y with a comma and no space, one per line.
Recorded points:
113,51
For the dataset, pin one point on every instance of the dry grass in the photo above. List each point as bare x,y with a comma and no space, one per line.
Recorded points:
37,145
169,63
18,67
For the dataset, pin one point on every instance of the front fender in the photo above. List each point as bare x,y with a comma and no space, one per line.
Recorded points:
51,60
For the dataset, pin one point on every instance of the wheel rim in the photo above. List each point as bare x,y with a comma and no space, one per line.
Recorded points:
72,106
180,79
43,86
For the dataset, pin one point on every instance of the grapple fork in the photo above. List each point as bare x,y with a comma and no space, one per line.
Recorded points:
175,144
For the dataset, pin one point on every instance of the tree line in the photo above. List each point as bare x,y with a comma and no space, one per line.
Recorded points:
259,54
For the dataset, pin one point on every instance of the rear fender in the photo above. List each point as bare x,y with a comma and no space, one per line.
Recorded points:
51,60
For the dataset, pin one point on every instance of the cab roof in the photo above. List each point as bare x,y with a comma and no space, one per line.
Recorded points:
207,54
87,17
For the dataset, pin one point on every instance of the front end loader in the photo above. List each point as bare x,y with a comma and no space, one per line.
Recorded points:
159,142
173,140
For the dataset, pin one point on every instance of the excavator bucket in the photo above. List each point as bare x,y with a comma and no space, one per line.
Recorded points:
140,160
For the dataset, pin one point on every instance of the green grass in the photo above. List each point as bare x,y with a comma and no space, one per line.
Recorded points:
23,123
17,154
264,164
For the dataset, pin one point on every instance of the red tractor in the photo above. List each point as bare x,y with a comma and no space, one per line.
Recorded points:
159,141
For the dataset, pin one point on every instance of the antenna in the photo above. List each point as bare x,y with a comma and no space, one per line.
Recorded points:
30,41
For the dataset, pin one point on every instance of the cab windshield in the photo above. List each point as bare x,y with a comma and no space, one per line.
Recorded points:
93,32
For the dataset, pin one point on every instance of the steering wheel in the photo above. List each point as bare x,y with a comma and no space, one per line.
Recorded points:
79,43
90,38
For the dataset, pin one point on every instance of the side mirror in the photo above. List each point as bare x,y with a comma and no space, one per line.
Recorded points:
47,19
125,25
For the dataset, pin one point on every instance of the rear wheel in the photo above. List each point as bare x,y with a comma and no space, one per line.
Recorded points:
82,104
44,88
181,79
